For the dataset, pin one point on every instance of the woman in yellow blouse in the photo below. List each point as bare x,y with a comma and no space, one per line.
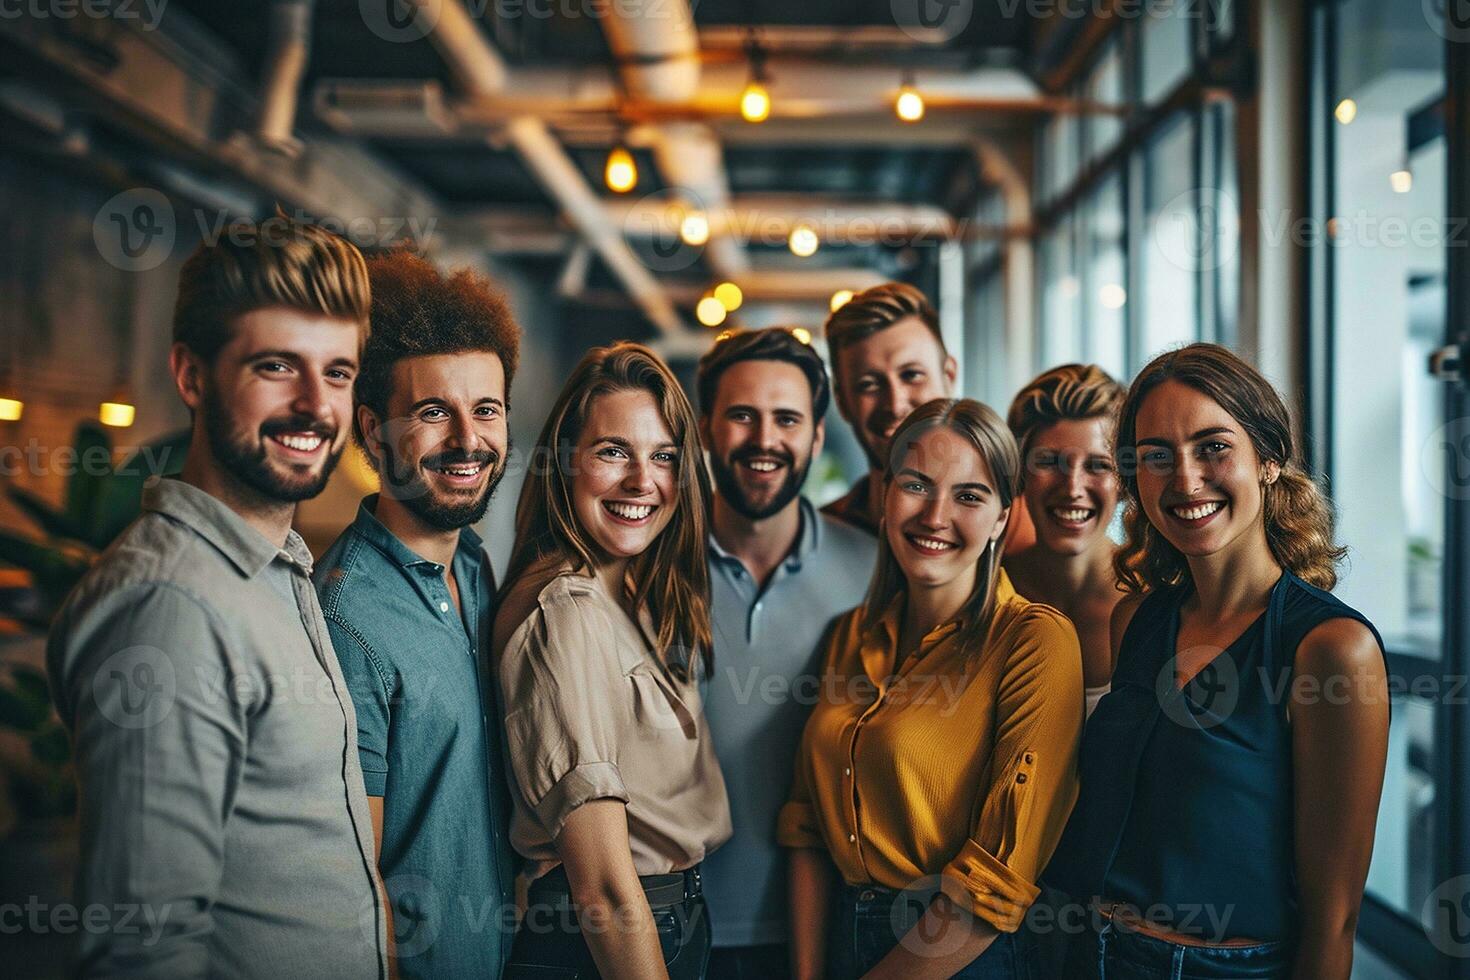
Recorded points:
938,766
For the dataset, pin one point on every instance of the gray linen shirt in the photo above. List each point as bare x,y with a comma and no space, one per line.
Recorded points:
225,831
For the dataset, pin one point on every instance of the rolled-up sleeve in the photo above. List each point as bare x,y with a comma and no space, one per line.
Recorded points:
1039,714
372,687
145,683
567,710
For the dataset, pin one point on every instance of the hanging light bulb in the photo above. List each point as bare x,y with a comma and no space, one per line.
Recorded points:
621,172
118,413
803,241
910,104
694,229
729,295
839,299
710,312
755,103
11,409
1346,111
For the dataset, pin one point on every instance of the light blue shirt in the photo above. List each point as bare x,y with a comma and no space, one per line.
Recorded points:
765,681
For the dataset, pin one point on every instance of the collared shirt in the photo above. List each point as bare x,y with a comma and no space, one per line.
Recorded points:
593,713
429,737
961,764
216,748
856,506
767,656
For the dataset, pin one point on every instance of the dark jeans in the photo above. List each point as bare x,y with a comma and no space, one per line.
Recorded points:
770,962
1116,953
868,922
550,944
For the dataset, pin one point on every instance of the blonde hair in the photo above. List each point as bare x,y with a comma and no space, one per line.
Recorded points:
1297,515
278,262
1069,392
984,429
874,309
671,578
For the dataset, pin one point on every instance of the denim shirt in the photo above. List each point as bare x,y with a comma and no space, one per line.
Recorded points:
430,742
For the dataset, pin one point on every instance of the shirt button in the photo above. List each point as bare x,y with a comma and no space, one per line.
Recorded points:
1020,777
444,607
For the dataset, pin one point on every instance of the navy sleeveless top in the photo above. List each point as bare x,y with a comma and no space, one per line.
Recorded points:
1185,808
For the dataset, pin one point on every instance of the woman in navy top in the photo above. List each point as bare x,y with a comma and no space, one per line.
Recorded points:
1230,780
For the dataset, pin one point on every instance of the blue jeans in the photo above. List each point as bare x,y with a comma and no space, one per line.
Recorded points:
1113,953
868,922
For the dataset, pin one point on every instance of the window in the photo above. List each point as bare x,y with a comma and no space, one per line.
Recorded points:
1061,325
1168,47
1058,155
1104,285
1103,128
1170,251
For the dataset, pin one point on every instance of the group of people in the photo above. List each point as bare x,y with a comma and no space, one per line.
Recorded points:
944,726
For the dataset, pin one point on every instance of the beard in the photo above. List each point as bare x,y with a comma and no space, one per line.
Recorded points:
728,484
244,456
443,512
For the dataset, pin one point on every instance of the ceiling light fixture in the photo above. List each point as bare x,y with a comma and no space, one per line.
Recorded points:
621,172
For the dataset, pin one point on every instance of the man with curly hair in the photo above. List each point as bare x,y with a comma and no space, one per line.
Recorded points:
408,596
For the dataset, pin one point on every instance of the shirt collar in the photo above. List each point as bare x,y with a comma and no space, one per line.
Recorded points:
208,516
808,538
882,637
367,524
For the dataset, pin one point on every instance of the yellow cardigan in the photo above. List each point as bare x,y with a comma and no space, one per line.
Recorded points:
963,765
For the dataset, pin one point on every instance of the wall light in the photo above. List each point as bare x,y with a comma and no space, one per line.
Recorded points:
11,409
118,414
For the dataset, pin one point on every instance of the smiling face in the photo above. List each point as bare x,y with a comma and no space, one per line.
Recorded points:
761,436
1199,477
624,473
885,376
1071,486
443,448
941,510
276,402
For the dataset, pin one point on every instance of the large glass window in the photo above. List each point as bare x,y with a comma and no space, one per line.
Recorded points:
1061,324
1105,277
1168,46
1059,155
1171,248
1386,303
1103,127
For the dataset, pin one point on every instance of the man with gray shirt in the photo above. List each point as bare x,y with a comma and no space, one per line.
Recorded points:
224,826
779,573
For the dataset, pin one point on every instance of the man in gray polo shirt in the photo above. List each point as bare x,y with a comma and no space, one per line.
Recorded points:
224,826
779,573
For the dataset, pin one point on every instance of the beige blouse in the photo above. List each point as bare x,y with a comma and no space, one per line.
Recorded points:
591,713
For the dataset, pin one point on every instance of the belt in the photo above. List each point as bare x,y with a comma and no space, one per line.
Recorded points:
661,891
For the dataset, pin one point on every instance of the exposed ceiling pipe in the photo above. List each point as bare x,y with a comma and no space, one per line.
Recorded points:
285,66
767,219
658,48
481,72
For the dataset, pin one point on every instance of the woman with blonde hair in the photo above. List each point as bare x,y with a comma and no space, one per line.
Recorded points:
1063,421
1230,780
937,768
602,637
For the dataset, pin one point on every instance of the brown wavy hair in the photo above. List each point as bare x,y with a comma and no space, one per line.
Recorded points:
980,424
1297,515
1069,392
671,578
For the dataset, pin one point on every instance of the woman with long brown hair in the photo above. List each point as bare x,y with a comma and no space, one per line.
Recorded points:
1230,780
937,768
1063,422
602,636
